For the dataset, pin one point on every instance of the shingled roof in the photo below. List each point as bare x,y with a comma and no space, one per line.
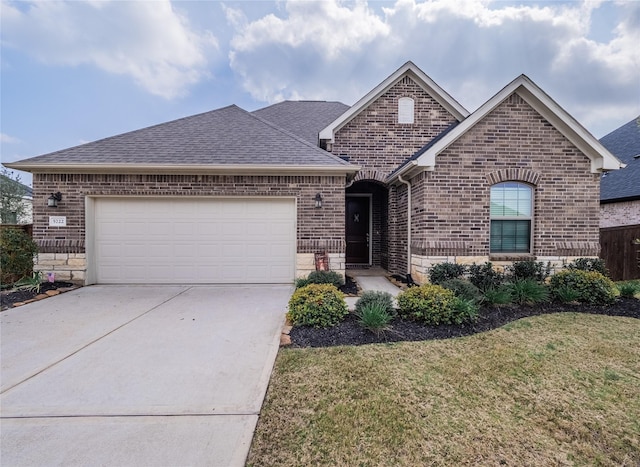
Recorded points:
624,143
229,137
303,118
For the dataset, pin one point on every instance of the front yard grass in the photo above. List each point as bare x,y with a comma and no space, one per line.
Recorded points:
560,389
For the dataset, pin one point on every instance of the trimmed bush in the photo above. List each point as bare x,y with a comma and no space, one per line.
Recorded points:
528,292
375,317
485,277
589,264
529,269
17,250
301,282
317,305
375,297
463,289
429,303
592,287
443,272
326,277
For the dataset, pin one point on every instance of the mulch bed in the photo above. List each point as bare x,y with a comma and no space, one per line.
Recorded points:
350,332
9,297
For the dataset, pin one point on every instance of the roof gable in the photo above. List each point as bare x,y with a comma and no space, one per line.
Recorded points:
601,159
417,75
223,139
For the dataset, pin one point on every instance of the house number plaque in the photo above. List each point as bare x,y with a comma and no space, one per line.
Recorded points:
58,221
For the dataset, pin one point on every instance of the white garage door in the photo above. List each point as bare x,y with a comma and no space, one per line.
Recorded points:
191,241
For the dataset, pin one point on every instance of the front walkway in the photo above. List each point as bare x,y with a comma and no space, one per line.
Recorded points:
371,279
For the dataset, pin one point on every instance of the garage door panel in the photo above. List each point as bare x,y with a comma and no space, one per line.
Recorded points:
148,240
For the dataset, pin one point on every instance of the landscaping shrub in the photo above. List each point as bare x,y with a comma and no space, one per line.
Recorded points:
589,264
465,311
628,289
497,296
374,316
485,277
429,303
301,282
592,287
325,277
566,294
317,305
463,289
375,297
445,271
529,269
17,250
528,292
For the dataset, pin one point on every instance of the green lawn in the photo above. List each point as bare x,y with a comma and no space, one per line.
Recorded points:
559,389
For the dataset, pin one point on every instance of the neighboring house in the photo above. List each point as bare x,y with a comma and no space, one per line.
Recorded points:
403,179
620,204
620,190
14,210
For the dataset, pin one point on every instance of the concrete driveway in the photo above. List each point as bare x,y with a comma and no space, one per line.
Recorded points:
138,375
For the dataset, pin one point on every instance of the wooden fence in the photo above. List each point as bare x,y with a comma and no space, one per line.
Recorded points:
620,252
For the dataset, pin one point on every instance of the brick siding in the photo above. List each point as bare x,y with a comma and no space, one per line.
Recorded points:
317,228
624,213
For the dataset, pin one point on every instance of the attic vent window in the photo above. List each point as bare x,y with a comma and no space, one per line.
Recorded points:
405,110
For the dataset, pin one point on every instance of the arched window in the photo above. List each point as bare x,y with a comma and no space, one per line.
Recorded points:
511,217
405,110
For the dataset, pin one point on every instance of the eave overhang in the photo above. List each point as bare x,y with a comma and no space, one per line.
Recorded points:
415,73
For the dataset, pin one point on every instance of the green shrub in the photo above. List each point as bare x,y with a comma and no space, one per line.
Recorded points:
589,264
317,305
325,277
465,311
592,287
628,289
429,303
375,297
375,317
463,289
566,294
500,295
17,250
485,277
32,284
528,292
301,282
445,271
529,269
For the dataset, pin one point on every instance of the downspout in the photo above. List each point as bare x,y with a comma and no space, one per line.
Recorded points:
409,279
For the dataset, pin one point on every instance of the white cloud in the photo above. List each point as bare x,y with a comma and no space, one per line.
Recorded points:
336,50
149,41
4,138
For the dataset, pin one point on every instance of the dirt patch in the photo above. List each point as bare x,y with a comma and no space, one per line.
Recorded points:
350,332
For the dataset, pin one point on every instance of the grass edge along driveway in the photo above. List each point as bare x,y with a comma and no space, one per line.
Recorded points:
561,389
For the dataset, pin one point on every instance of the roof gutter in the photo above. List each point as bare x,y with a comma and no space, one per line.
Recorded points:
402,180
191,169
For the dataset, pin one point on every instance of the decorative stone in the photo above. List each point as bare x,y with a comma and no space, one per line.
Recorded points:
51,293
18,304
284,340
41,296
286,330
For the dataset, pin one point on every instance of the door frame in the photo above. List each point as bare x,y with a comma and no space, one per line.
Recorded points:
370,227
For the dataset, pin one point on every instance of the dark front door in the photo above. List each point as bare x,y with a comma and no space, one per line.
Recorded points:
357,226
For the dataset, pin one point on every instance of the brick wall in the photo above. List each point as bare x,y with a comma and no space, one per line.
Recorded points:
624,213
451,204
317,228
374,138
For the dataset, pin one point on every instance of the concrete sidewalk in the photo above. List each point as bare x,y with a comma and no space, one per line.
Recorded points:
371,282
138,375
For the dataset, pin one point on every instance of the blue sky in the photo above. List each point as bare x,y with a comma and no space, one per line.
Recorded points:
73,72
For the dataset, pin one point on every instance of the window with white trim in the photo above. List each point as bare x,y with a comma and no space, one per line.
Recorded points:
511,217
405,110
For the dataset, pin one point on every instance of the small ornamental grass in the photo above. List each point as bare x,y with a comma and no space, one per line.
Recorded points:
628,289
432,305
592,287
375,317
317,305
375,297
496,296
528,292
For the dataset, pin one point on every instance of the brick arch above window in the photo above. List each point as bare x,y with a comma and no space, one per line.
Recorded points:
375,175
505,175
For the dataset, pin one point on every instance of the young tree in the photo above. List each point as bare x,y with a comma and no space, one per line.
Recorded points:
12,206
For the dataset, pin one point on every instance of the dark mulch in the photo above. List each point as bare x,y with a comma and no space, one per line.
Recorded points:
350,286
350,332
8,298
